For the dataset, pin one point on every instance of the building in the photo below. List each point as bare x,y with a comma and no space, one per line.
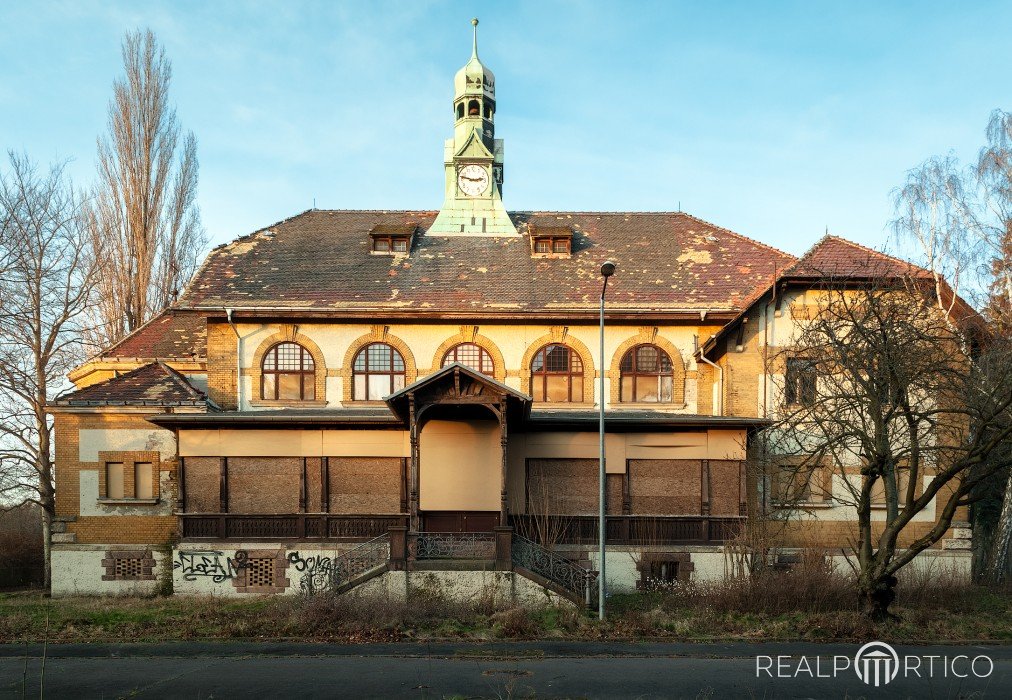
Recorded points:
347,396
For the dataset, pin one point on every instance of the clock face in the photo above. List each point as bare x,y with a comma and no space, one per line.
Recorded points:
472,180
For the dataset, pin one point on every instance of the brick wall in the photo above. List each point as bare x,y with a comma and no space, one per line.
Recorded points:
222,363
118,529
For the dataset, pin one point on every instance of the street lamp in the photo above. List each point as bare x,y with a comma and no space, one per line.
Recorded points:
607,270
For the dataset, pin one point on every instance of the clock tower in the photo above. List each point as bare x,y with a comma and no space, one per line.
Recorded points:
473,159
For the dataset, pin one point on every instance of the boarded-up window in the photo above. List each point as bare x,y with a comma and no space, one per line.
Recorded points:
264,484
203,484
878,489
562,486
665,486
726,493
114,487
144,483
365,484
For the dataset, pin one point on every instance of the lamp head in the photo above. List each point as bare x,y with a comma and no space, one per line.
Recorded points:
608,269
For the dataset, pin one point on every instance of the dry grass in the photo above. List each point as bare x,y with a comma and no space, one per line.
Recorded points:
805,604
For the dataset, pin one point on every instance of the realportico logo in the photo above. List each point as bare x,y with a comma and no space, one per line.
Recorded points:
876,664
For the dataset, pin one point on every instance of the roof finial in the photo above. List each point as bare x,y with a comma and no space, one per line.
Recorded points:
474,46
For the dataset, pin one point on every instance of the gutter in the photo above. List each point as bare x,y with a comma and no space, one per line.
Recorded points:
720,381
238,360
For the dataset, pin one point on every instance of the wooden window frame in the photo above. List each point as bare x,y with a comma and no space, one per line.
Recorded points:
390,372
306,376
543,374
553,241
636,374
484,358
391,242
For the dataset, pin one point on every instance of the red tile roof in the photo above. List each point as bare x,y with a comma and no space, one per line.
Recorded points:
319,260
171,334
835,257
154,384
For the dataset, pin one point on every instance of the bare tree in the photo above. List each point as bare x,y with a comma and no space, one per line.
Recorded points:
144,215
961,222
905,413
46,283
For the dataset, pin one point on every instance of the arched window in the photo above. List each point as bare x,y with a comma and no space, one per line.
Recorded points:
460,111
470,355
473,109
378,371
288,374
647,375
557,375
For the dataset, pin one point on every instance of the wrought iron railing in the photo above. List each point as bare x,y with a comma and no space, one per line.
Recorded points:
453,545
326,574
557,569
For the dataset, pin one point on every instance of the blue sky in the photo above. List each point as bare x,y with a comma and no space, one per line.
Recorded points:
776,120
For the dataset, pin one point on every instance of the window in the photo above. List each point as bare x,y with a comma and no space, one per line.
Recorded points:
114,487
378,371
799,382
473,109
470,355
144,485
792,483
289,374
663,572
390,244
647,375
557,375
460,111
559,245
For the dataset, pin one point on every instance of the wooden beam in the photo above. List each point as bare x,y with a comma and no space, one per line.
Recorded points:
413,483
325,484
503,437
223,485
181,495
302,486
704,484
404,484
627,490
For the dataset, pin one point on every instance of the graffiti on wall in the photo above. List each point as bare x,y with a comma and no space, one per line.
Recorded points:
316,571
211,564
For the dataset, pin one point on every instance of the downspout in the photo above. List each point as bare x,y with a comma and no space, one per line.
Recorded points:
720,382
238,360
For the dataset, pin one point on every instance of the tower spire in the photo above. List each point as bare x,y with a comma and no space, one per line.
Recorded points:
474,45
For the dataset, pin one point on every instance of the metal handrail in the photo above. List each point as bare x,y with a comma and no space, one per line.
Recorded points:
328,574
530,555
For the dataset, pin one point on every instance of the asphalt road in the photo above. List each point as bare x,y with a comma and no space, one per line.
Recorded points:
506,670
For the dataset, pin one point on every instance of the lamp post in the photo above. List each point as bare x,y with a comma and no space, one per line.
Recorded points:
607,270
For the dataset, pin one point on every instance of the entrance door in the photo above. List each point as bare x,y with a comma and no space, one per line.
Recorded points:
459,521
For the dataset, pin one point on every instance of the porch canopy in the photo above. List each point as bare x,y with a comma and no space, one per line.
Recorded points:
457,392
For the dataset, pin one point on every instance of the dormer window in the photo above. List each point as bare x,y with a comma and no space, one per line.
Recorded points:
551,241
391,239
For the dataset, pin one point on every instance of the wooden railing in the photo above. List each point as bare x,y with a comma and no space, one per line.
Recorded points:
298,526
628,529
